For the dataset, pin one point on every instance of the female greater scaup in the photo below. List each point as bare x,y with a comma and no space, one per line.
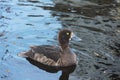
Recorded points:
57,57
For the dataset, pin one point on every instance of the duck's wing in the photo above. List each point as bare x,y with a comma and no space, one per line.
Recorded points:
46,54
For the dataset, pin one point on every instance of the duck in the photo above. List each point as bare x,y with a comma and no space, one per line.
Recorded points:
53,57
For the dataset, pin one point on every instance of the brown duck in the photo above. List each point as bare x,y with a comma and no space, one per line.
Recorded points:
54,58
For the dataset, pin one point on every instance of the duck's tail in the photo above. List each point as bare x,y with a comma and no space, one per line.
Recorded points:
26,54
23,54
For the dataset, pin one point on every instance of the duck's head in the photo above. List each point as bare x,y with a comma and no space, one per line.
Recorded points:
64,36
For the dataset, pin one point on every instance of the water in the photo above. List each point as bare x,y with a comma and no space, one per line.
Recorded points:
36,22
22,26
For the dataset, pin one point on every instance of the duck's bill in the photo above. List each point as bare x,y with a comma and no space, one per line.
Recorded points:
75,38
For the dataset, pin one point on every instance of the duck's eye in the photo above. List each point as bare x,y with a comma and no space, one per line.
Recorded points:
68,33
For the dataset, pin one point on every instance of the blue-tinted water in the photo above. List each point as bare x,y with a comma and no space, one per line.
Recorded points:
21,28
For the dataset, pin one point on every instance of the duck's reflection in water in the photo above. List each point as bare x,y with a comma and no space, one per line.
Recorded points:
52,69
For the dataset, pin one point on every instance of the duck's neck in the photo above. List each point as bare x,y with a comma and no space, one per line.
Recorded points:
64,46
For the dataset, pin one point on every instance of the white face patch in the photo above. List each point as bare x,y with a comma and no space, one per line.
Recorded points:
71,35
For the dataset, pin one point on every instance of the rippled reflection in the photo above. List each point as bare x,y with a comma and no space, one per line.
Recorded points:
65,70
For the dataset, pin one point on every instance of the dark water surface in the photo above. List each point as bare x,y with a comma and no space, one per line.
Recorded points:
36,22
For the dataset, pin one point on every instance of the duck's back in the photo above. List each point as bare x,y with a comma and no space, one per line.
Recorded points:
45,54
